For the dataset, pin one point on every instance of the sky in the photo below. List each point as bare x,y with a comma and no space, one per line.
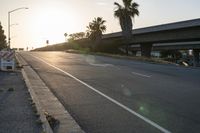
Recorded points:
50,19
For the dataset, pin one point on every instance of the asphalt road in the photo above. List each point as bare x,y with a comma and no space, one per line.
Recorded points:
107,95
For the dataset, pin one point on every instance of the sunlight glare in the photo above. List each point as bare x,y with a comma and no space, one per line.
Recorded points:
50,22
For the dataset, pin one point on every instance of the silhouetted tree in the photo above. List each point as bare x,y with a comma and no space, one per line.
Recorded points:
76,36
125,14
65,36
95,30
2,38
47,42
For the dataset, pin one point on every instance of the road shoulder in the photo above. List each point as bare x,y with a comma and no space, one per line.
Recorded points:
47,103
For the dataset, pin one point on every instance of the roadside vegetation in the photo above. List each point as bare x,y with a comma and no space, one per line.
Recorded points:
95,31
91,42
125,14
3,43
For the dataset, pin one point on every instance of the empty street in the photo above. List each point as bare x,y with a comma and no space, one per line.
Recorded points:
110,95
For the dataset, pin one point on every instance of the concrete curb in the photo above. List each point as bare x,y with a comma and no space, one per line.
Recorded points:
45,124
45,101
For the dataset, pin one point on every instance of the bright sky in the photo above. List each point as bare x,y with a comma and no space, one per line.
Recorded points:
50,19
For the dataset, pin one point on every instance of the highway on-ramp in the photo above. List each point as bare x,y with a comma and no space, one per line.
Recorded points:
108,95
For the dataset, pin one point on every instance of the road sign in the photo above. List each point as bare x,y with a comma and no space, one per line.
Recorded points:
7,60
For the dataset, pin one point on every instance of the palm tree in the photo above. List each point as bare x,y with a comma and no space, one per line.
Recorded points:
125,14
95,30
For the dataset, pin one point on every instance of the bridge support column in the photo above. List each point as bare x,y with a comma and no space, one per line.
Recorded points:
134,53
146,49
196,58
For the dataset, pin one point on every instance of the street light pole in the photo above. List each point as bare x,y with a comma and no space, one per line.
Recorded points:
9,23
9,30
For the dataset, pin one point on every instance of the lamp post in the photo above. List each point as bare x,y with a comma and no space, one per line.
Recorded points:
9,23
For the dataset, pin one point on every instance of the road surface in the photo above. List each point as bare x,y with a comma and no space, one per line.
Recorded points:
107,95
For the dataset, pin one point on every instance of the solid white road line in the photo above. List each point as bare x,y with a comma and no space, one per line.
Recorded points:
107,97
143,75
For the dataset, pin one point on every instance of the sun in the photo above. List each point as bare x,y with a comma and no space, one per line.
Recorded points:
51,23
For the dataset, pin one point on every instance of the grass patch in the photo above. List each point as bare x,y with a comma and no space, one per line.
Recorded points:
34,108
17,64
37,115
30,99
32,104
38,121
11,89
80,51
144,59
53,122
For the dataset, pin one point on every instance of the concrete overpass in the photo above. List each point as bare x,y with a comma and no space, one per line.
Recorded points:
176,33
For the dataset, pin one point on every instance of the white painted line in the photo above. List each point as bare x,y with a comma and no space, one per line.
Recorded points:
100,65
143,75
109,98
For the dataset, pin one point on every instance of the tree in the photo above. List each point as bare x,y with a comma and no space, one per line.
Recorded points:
65,34
95,30
2,38
47,42
125,14
76,36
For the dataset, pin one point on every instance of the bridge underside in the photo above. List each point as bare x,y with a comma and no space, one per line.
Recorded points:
146,40
195,46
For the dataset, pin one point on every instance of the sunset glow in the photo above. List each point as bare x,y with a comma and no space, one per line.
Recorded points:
49,20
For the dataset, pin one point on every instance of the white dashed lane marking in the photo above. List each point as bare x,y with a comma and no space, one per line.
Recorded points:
142,75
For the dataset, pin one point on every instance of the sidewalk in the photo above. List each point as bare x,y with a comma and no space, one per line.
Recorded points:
16,114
